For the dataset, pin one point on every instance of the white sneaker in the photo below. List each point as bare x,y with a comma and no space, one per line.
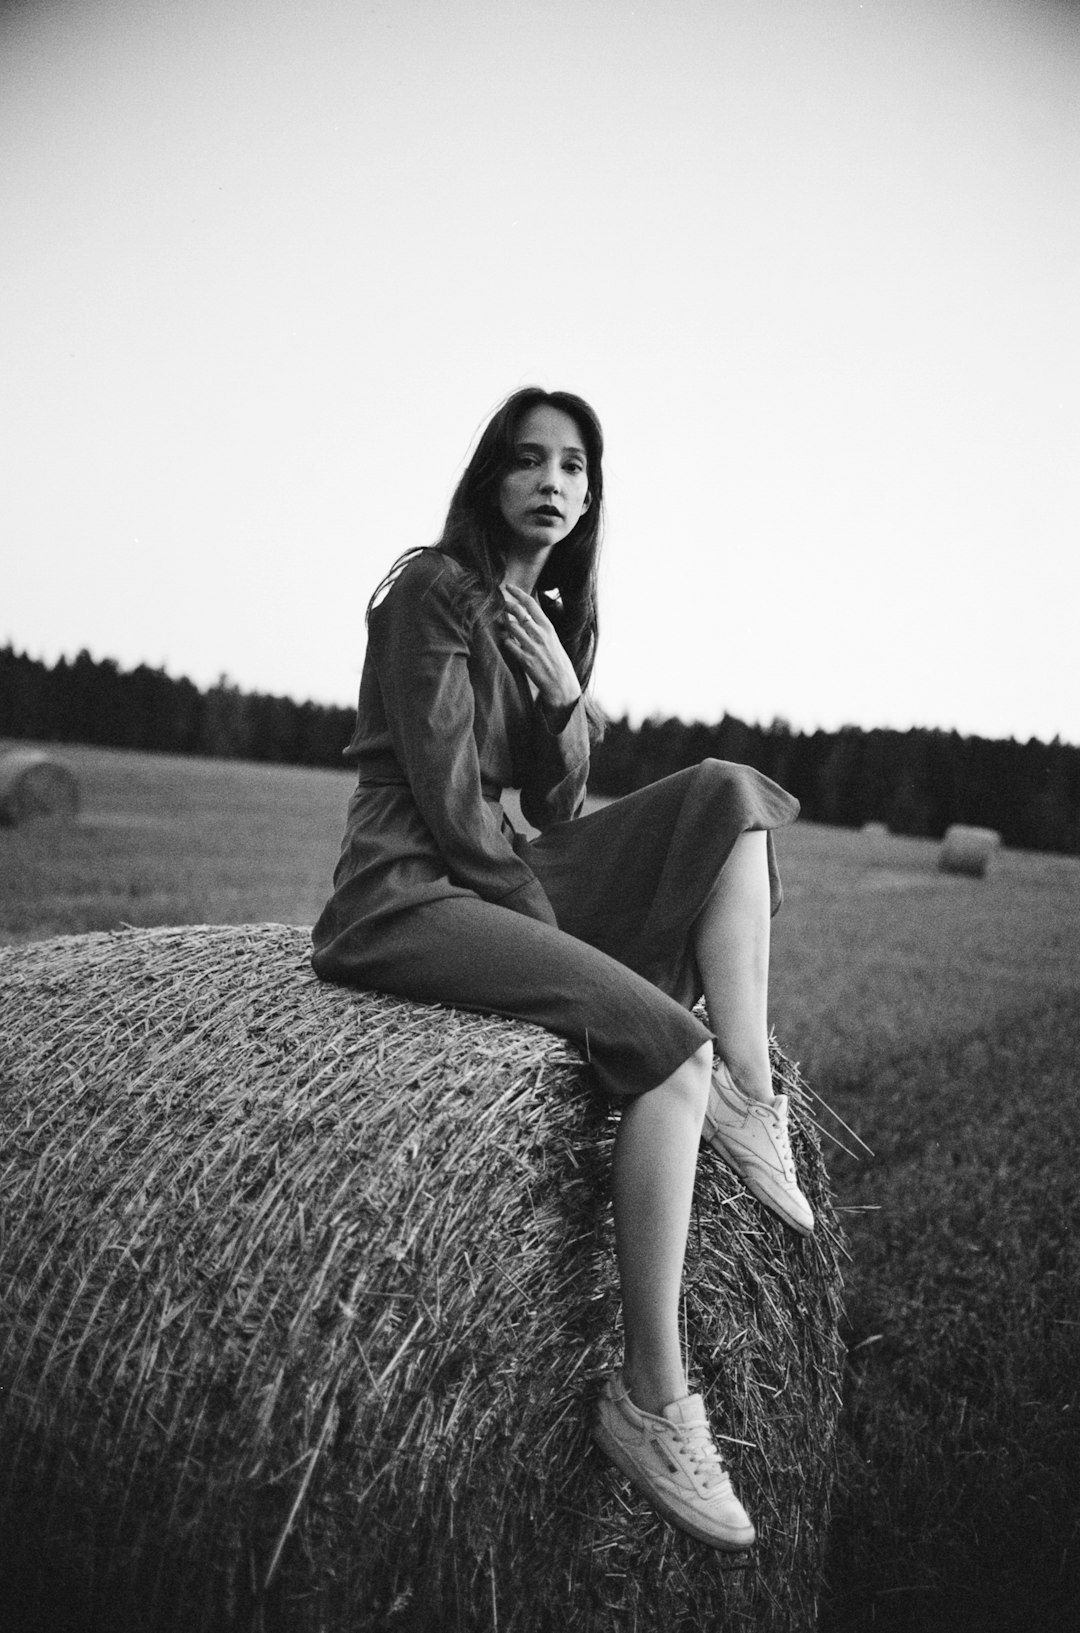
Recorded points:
673,1462
753,1138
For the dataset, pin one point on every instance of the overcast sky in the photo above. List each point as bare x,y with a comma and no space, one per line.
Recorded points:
267,265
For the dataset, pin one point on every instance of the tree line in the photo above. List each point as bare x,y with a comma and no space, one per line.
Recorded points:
916,782
95,701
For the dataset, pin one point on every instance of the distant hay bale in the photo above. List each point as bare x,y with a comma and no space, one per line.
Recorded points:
308,1295
876,830
968,850
33,784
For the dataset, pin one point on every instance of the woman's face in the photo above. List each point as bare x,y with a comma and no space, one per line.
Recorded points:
545,492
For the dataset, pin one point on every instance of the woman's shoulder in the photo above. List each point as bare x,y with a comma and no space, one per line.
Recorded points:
419,573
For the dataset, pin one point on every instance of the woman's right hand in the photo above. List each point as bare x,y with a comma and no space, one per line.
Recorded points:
531,637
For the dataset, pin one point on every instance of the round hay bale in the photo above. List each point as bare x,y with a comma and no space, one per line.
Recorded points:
875,830
33,785
968,850
308,1294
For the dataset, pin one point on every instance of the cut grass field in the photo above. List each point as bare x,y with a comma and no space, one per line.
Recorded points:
163,839
938,1016
960,1447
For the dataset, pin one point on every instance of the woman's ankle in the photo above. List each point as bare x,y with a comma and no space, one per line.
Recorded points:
752,1078
651,1389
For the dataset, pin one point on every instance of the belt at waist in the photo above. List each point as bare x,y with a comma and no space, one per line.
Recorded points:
491,791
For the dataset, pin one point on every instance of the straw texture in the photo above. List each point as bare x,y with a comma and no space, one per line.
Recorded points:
33,784
308,1293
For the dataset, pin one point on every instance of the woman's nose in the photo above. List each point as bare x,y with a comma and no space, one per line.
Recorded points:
549,482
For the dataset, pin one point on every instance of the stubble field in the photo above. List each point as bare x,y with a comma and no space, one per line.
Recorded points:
937,1016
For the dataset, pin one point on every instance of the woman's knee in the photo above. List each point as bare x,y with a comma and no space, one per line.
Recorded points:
690,1083
715,775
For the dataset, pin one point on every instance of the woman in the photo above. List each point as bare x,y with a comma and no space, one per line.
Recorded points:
606,928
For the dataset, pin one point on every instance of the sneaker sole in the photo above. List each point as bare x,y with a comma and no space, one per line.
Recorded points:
774,1202
734,1542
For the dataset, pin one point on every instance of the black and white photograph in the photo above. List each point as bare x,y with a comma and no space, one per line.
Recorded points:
539,816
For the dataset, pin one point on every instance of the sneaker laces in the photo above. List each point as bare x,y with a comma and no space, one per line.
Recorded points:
697,1444
782,1143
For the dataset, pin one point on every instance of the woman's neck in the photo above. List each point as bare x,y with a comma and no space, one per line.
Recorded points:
524,570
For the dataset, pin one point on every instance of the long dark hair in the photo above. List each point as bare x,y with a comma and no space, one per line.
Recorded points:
475,532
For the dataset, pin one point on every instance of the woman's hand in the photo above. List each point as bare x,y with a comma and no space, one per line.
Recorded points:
530,636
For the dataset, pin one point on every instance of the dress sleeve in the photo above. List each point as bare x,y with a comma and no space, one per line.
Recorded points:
421,655
554,790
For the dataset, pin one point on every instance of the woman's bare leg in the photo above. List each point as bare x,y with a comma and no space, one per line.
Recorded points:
748,1128
731,943
656,1150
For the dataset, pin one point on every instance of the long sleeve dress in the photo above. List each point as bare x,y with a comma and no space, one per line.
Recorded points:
586,929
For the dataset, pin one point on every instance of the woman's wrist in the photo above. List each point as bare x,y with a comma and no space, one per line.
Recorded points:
557,715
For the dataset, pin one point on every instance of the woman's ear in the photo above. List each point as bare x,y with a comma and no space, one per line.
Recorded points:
587,501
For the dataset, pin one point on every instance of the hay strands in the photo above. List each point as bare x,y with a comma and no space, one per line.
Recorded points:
309,1294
